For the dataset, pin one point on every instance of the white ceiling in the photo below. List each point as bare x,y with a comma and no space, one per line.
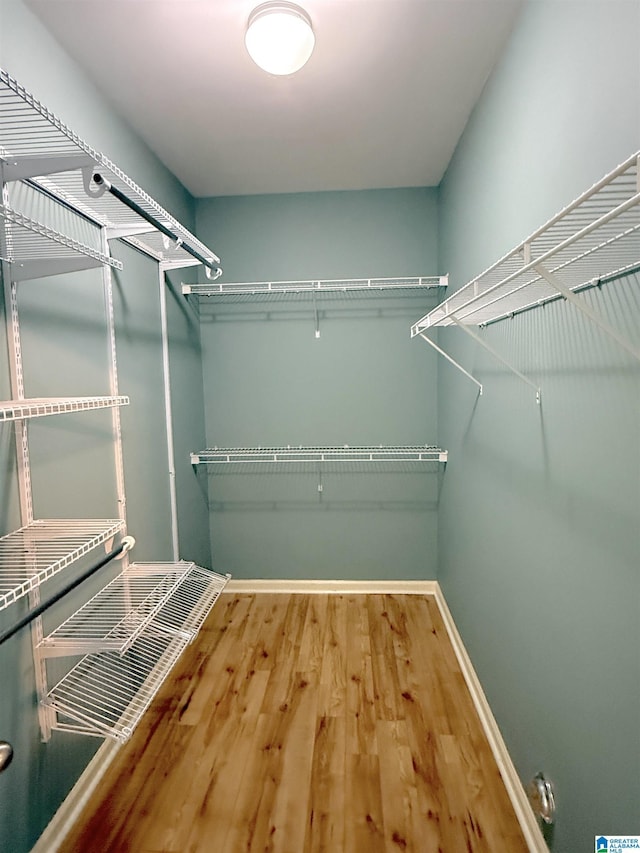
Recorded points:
381,103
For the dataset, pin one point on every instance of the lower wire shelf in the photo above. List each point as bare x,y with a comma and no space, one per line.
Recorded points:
107,692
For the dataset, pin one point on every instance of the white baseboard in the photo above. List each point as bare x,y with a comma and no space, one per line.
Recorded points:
369,587
70,809
524,813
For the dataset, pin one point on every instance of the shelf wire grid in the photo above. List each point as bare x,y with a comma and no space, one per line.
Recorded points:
37,407
346,453
360,285
114,617
107,693
32,241
29,129
596,237
36,552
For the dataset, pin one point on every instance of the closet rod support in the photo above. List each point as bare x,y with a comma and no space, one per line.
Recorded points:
102,184
125,545
451,360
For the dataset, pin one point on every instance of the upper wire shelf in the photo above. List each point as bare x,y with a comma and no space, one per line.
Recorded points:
357,285
36,145
34,553
37,407
270,455
35,250
107,692
596,237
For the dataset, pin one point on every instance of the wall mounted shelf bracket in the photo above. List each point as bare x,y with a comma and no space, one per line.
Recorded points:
476,337
557,283
451,360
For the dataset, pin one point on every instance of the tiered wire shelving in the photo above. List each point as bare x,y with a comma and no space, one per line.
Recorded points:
141,623
594,240
132,631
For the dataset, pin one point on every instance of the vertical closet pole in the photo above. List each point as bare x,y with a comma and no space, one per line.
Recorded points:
113,389
46,716
166,373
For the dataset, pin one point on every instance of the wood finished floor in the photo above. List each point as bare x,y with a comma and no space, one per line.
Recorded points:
308,724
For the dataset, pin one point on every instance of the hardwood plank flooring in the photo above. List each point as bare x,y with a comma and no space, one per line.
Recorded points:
307,724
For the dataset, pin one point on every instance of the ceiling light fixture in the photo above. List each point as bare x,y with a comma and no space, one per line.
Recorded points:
279,37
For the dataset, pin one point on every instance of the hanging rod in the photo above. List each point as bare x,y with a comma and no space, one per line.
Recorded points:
125,545
102,182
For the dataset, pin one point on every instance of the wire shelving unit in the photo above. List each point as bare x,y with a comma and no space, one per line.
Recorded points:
38,551
345,453
37,146
594,240
330,286
131,632
176,596
38,407
107,692
595,237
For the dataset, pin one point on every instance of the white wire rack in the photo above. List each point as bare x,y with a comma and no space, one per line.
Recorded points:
107,692
35,250
116,615
346,453
37,407
358,285
36,145
595,237
34,553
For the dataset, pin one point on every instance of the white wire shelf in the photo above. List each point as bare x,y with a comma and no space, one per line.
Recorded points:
357,285
34,553
174,596
35,250
37,407
594,238
116,615
345,453
35,144
107,693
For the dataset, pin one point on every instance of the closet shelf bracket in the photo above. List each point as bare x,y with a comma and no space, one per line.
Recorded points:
557,283
476,337
31,166
451,360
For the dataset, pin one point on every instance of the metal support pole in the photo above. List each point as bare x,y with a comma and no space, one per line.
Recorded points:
166,375
496,355
451,360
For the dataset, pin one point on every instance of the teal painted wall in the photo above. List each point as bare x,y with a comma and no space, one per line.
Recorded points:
269,382
539,520
65,352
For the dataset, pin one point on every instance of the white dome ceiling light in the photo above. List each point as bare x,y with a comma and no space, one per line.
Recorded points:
279,37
